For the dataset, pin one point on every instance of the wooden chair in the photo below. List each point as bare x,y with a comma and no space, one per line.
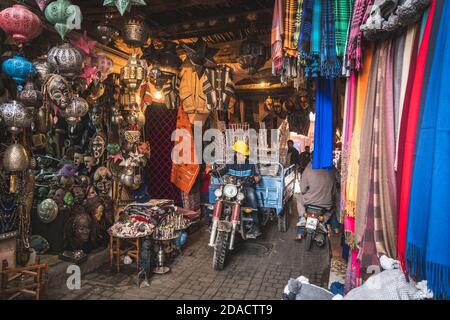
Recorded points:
115,250
31,281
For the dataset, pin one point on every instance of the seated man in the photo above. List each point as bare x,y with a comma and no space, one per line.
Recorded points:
318,187
242,168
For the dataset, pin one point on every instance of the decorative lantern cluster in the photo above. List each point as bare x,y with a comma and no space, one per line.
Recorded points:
20,23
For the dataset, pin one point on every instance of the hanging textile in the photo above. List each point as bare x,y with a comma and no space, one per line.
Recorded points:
289,27
428,237
277,37
298,24
343,9
218,88
397,74
314,64
323,128
330,66
355,135
304,42
409,128
159,125
354,42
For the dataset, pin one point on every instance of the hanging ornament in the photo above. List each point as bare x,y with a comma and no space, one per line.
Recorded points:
85,45
29,96
15,116
105,32
124,5
66,59
89,74
19,69
15,160
135,32
20,23
104,66
252,54
42,4
77,109
133,73
64,15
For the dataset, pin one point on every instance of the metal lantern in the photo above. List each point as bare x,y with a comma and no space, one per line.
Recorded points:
165,58
15,116
29,96
252,54
135,32
105,32
75,111
158,78
66,59
15,160
43,69
19,69
133,73
20,23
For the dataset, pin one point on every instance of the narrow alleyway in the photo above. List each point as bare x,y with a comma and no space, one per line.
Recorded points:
256,270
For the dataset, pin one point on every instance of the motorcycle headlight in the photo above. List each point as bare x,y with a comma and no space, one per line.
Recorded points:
230,191
240,196
218,193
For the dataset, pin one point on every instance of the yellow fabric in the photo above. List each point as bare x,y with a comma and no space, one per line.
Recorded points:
242,148
353,166
191,91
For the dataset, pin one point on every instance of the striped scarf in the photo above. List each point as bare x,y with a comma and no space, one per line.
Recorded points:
354,42
330,66
343,10
289,26
304,41
298,23
277,37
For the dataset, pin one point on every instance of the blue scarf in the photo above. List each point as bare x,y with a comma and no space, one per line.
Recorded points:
323,129
330,66
428,238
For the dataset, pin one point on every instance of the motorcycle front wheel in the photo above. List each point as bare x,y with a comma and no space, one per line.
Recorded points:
220,250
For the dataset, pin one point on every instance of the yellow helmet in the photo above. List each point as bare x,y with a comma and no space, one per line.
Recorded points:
242,148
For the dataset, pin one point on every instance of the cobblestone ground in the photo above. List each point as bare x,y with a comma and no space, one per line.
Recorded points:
257,269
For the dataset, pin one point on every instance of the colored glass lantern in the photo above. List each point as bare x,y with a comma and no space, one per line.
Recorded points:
20,23
19,69
64,16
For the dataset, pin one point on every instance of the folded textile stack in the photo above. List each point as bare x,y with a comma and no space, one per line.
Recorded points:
131,229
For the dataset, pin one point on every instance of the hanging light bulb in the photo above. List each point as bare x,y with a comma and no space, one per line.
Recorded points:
158,95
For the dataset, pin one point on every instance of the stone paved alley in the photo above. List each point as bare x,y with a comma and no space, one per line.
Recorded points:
256,270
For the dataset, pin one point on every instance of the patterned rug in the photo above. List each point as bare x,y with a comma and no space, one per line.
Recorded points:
159,125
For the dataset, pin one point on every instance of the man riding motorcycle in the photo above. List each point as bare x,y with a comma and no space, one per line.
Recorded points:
243,169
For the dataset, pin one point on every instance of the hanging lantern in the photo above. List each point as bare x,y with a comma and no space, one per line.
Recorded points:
135,32
75,111
20,23
166,58
133,73
104,66
66,59
19,69
15,160
124,5
29,96
15,116
42,4
43,69
252,54
64,15
105,32
158,78
44,120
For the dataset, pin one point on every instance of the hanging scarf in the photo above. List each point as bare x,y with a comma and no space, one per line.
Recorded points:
353,165
277,37
298,24
428,237
289,25
408,131
323,126
330,66
354,42
304,41
342,11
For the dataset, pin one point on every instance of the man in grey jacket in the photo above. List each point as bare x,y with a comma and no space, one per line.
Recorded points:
317,187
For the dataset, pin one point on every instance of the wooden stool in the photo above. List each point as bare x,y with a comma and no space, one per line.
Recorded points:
115,251
38,273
